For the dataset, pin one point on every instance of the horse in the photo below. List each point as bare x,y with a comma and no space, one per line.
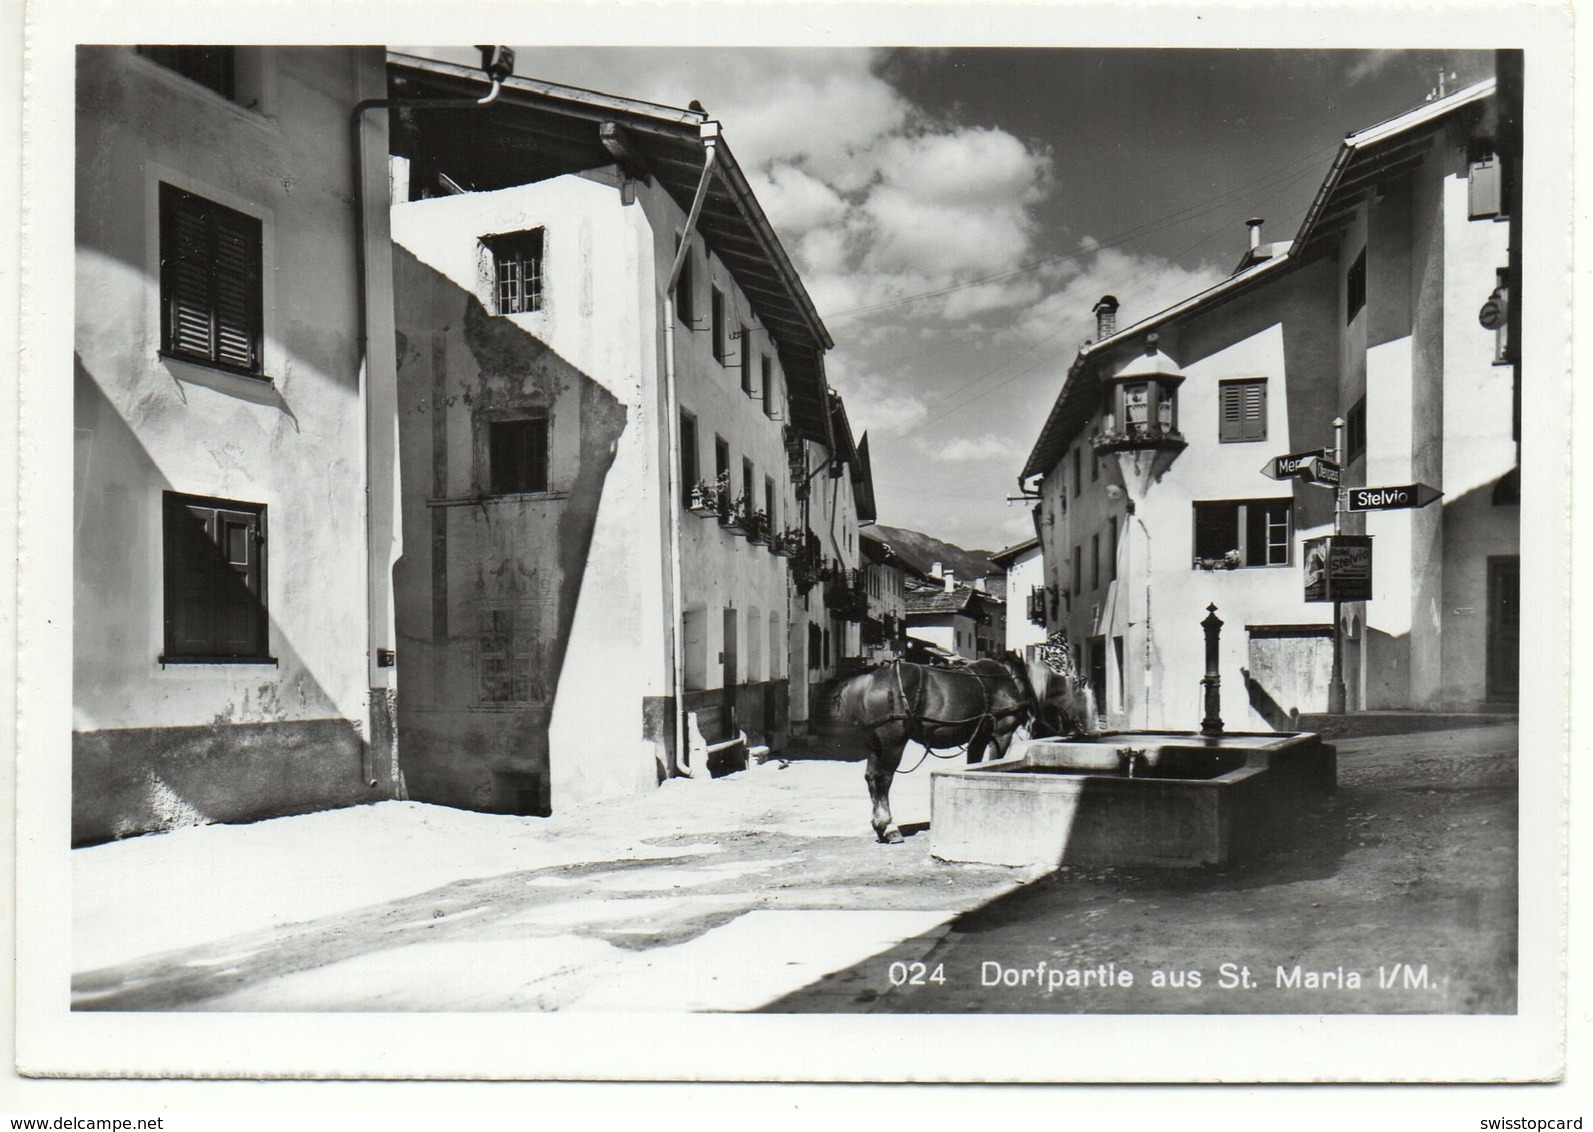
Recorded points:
978,706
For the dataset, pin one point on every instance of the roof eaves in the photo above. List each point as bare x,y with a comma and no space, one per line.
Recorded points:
669,118
1362,141
1038,462
653,117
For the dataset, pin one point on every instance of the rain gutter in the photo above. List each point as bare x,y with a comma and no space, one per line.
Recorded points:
708,132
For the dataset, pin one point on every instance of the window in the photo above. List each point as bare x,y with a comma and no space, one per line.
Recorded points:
721,329
768,506
1078,570
1355,288
214,580
1250,532
503,657
685,289
517,271
746,362
1485,187
213,67
210,287
517,455
770,400
749,500
722,461
1355,431
1242,410
688,455
1078,471
1095,561
1111,561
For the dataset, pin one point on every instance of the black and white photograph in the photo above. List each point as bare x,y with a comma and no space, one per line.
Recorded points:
648,553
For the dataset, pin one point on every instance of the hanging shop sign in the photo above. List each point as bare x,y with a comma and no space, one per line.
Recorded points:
1338,568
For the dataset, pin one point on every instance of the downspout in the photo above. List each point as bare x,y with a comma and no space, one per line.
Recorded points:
709,133
1149,671
377,656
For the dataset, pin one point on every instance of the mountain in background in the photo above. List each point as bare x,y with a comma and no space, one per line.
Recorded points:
922,552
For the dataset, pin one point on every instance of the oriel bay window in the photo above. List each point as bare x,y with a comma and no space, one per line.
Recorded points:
214,571
1243,532
1141,407
210,282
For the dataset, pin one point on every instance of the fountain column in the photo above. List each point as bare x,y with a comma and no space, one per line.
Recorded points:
1211,726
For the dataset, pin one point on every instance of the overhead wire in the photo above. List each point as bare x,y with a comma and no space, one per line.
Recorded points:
1075,325
1166,220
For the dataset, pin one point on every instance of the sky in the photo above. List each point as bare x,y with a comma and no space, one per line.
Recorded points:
956,212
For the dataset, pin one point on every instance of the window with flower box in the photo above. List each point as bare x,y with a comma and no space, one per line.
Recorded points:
1234,533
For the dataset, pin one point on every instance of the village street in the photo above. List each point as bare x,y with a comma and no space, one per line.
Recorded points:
766,890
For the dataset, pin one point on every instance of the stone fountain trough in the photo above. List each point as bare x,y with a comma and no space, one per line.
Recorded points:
1165,798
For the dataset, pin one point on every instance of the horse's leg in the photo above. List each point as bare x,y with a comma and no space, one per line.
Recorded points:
884,756
978,741
1002,740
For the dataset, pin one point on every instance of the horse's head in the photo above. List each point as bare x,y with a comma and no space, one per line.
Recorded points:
1061,704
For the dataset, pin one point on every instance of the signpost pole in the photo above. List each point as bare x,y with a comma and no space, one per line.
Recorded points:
1336,697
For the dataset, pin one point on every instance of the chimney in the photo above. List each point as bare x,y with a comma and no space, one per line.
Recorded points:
936,570
1254,224
1105,317
951,581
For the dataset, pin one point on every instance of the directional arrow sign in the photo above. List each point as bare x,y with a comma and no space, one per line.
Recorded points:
1323,471
1391,498
1292,465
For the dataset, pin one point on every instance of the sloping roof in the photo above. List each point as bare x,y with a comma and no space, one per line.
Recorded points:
863,484
939,601
537,130
1367,159
1377,154
1008,555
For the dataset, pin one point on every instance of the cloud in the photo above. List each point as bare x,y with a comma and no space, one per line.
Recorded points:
1371,64
967,449
796,201
1143,285
872,404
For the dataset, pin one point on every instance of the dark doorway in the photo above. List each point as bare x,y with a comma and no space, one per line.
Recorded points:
731,675
1504,629
1098,667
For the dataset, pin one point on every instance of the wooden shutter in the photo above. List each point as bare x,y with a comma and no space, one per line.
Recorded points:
214,577
210,280
185,246
1243,410
237,289
1255,410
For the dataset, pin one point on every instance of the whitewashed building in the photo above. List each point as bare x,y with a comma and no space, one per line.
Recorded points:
610,483
233,400
1153,502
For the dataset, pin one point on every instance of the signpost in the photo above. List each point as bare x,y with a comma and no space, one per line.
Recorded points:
1315,466
1391,498
1323,471
1293,465
1338,567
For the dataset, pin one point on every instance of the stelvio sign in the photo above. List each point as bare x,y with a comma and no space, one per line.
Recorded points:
1391,498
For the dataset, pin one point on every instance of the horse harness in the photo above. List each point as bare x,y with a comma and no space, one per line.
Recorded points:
914,710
